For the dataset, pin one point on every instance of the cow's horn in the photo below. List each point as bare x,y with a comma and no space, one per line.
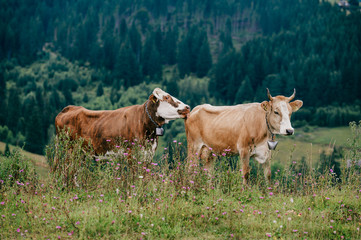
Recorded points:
293,95
269,95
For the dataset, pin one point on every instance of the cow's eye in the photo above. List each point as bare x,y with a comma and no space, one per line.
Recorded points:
277,113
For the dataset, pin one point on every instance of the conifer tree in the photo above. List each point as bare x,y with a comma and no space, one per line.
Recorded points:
245,92
34,131
2,99
184,56
204,63
14,109
100,90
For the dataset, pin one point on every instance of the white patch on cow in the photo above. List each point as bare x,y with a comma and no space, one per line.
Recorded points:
261,153
154,145
165,109
286,121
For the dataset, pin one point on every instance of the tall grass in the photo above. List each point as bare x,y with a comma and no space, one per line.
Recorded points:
130,195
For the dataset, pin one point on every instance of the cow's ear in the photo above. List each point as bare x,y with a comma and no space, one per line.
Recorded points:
265,105
153,98
295,105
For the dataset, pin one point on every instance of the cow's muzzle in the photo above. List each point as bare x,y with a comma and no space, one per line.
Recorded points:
289,131
184,112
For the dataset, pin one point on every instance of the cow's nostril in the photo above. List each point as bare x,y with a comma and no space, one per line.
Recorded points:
289,131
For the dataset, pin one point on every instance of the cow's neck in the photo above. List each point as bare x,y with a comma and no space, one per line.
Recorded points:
271,142
151,121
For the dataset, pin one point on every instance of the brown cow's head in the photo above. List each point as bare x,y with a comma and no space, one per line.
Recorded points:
279,110
169,107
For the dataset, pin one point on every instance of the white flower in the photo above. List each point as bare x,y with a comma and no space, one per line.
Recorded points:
140,177
291,200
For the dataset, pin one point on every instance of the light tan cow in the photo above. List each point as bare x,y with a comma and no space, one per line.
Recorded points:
243,129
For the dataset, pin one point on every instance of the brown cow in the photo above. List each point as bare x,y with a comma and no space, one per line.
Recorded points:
134,122
243,129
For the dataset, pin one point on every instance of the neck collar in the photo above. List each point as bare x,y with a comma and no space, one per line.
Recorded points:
269,129
146,110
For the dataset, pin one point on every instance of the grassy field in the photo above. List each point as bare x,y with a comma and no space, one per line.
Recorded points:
137,198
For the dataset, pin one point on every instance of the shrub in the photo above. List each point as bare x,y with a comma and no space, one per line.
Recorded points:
15,169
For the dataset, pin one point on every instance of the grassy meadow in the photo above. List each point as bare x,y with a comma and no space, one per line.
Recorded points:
131,196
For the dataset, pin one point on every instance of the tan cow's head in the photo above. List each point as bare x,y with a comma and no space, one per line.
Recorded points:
279,110
169,108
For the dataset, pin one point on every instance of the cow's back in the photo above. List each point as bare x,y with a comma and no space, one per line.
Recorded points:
220,127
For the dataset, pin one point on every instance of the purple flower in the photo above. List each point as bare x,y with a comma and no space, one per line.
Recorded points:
58,227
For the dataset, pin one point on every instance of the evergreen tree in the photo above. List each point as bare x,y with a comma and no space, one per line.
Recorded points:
34,132
170,46
114,96
151,61
68,97
100,90
85,98
204,63
245,92
123,29
135,42
7,149
184,56
127,67
14,109
2,99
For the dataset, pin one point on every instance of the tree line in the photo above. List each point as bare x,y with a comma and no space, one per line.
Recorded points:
102,55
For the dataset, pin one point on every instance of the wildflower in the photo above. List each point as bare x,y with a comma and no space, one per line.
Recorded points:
125,154
108,140
143,233
130,211
216,218
261,197
77,223
117,146
202,216
294,230
268,235
291,200
18,230
58,227
140,177
224,213
174,141
271,193
2,203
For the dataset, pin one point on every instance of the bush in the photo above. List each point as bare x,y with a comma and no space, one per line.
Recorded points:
70,165
15,169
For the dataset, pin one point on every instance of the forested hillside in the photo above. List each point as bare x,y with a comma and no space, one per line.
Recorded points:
109,54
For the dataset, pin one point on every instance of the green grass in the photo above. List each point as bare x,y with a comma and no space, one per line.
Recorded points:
178,202
39,161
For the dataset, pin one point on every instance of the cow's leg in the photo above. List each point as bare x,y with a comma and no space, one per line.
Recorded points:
244,157
263,156
267,170
194,152
206,158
